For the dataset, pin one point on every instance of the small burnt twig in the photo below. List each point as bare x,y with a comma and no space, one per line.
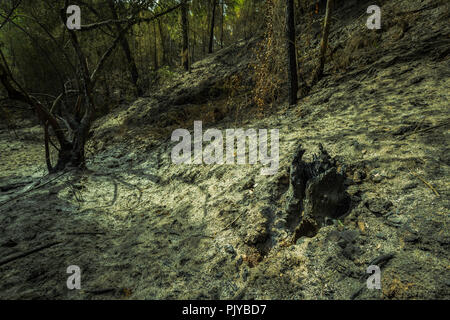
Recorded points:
85,233
426,129
382,259
425,182
101,291
230,224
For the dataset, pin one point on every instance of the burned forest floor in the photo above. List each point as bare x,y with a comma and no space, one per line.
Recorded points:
142,227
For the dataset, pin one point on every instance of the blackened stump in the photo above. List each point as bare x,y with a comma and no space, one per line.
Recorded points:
316,192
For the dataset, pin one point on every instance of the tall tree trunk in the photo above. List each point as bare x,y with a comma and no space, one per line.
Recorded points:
290,48
204,42
221,27
324,42
211,32
163,43
126,50
185,47
155,48
194,38
170,51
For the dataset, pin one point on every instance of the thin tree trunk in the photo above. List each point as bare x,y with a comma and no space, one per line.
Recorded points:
155,48
221,28
204,42
194,38
163,43
77,156
170,51
291,57
127,51
324,42
185,48
211,32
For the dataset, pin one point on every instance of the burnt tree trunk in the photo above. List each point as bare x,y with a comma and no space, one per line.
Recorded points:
194,41
291,56
126,50
155,48
211,32
221,25
185,29
163,43
318,74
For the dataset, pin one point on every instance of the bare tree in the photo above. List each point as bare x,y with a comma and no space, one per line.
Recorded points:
72,138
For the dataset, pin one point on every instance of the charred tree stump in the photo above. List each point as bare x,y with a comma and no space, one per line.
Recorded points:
316,192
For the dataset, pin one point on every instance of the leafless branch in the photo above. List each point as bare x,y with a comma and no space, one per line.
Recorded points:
131,21
10,13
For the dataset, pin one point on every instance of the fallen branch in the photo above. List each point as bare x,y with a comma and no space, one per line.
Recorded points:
425,182
378,261
101,291
230,224
85,233
382,259
357,292
27,253
33,188
6,188
427,129
429,7
131,21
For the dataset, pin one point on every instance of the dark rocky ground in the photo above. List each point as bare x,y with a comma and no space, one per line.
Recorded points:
141,227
